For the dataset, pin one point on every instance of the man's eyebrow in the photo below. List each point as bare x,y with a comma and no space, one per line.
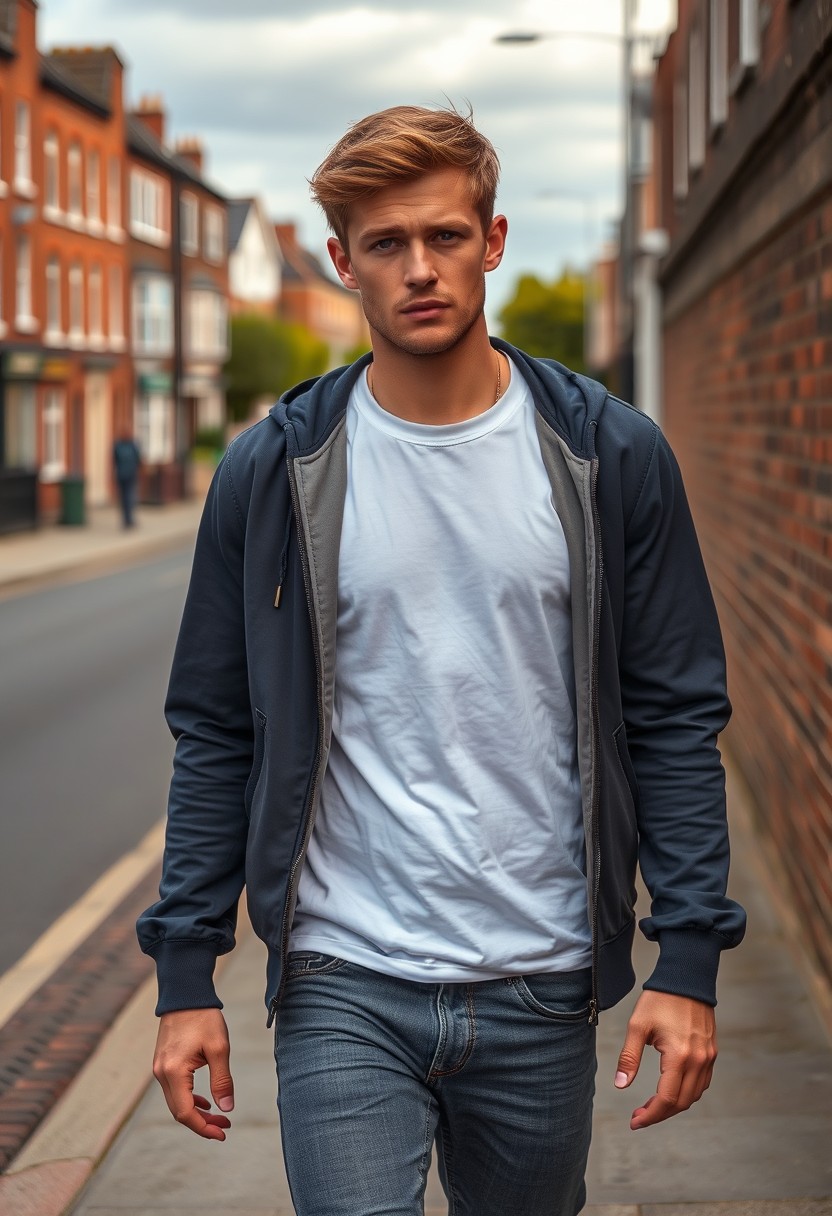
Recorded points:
447,223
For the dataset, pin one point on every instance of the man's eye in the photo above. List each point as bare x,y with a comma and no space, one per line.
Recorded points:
446,235
386,242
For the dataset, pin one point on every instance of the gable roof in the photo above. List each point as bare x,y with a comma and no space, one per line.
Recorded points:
142,141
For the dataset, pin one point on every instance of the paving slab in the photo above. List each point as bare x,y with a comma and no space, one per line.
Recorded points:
753,1207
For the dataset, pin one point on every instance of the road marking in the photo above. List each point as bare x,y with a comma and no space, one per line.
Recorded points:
76,924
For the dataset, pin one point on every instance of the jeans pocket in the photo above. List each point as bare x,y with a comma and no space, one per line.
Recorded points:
311,962
560,996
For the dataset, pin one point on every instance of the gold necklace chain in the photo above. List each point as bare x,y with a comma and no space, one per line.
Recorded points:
497,393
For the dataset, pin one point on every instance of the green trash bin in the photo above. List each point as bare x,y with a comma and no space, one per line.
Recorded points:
72,502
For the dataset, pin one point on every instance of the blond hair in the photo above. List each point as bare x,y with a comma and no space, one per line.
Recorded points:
399,145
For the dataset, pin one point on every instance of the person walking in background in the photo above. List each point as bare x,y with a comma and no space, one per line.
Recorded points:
449,668
126,464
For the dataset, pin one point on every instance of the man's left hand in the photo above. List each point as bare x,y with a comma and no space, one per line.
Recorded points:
683,1031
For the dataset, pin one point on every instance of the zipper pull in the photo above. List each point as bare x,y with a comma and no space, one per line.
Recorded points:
277,595
272,1012
593,1012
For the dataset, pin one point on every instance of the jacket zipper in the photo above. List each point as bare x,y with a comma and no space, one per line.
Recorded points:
596,727
294,873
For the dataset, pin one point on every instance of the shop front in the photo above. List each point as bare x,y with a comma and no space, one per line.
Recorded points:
19,508
163,473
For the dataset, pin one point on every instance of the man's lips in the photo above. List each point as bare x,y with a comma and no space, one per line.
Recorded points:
424,308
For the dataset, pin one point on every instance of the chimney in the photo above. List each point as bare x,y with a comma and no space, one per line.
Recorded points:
286,234
190,148
151,111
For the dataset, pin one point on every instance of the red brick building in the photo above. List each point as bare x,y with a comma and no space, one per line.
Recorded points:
65,378
113,281
309,297
744,180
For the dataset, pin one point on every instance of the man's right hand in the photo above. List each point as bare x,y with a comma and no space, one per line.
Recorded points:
187,1040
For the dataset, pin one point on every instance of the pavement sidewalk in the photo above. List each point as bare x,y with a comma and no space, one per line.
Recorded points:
758,1144
29,559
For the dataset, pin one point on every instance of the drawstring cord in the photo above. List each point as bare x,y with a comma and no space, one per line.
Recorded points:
284,557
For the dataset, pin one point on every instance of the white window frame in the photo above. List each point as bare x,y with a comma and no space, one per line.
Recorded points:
697,134
213,234
206,325
4,189
76,305
53,333
23,183
152,315
189,220
149,208
94,224
52,177
95,306
74,185
115,307
748,48
24,321
155,427
53,424
718,34
115,229
680,139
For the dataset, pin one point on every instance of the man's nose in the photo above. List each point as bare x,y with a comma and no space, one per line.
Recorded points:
419,268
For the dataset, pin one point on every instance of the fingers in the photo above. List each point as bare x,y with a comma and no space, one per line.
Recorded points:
684,1034
189,1039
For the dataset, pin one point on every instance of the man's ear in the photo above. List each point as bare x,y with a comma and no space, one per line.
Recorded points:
342,264
495,242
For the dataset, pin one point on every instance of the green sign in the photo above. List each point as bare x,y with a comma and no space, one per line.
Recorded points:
156,382
23,365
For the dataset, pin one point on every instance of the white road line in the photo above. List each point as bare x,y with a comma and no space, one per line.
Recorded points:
76,924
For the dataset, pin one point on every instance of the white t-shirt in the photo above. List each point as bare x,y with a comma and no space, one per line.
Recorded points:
449,845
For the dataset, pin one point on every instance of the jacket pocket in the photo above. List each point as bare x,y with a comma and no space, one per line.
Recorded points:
257,761
620,740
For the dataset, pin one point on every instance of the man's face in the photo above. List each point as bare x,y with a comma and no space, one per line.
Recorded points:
418,256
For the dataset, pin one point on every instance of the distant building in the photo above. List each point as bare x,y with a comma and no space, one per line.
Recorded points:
254,258
64,366
311,298
179,287
744,192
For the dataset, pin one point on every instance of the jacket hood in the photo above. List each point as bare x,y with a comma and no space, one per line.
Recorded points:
572,404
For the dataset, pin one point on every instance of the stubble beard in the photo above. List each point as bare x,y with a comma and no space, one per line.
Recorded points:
425,343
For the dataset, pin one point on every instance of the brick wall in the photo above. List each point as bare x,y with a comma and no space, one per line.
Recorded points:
748,400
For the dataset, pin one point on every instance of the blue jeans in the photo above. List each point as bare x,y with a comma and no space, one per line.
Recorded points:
372,1070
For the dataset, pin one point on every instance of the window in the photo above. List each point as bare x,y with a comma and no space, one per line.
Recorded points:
23,297
54,319
4,190
76,304
23,148
152,315
719,63
696,98
154,428
743,40
75,200
190,224
206,325
680,139
21,431
95,305
114,196
149,208
214,222
93,190
53,465
51,177
116,306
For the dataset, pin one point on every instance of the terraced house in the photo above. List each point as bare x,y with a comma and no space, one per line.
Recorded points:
113,281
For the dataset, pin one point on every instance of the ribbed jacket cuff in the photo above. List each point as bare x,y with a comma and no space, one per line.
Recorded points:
688,963
185,973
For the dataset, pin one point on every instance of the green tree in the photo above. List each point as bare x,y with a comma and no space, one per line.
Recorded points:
547,319
267,357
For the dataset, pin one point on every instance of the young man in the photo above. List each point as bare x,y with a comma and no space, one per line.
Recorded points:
449,668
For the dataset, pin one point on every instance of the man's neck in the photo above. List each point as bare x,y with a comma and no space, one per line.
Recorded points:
439,389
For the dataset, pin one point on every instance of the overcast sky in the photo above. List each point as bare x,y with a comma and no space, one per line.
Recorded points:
269,86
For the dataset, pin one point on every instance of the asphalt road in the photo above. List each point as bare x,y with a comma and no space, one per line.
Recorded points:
85,754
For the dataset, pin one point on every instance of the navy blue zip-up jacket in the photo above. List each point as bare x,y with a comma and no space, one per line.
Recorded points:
250,697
